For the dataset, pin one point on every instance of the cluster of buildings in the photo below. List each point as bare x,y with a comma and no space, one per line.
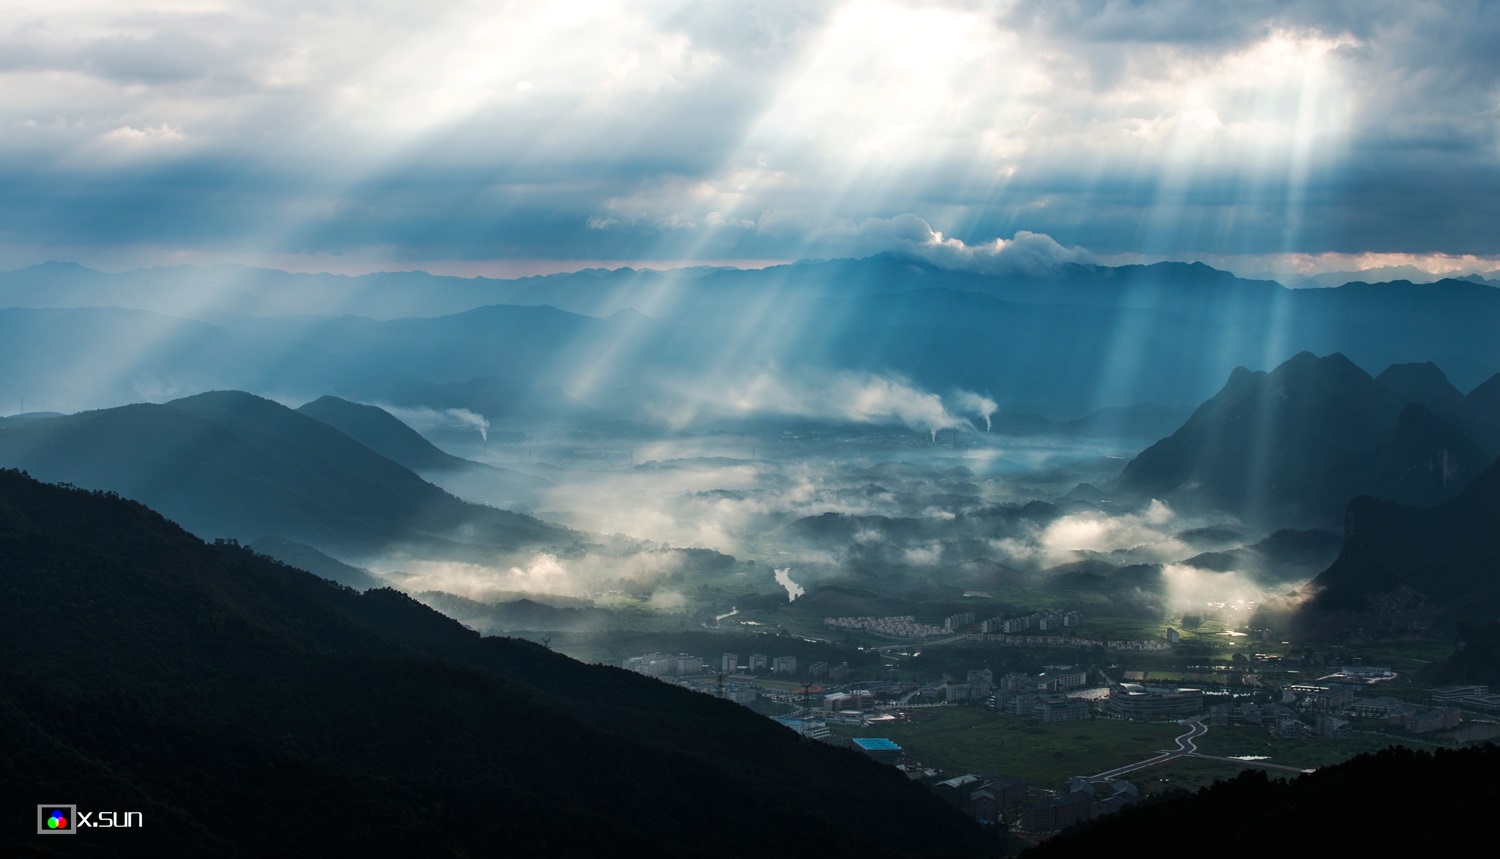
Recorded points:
1283,721
1153,703
1473,697
1080,801
675,667
1044,696
1039,629
852,701
1334,710
988,797
904,626
664,664
1018,640
1441,714
958,621
813,729
729,663
834,673
1041,621
1328,702
976,686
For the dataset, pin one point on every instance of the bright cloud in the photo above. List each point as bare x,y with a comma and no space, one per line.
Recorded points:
761,130
1147,536
852,397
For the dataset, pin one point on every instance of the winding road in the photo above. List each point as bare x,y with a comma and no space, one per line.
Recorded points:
1187,748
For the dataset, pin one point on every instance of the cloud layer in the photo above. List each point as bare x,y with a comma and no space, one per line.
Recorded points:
157,131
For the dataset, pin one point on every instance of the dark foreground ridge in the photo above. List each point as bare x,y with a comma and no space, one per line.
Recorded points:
1398,802
248,708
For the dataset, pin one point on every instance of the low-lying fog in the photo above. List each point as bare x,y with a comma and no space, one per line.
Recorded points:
892,510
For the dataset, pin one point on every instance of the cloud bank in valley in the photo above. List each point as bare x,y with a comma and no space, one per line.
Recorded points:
889,511
847,397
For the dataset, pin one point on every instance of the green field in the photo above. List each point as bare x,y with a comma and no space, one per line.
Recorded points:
1169,676
1187,773
1306,753
1405,656
784,685
958,740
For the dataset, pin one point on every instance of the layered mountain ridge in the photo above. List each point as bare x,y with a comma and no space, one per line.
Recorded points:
1294,445
248,708
230,464
1067,341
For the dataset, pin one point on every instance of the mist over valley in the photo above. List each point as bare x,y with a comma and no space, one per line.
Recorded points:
879,427
818,447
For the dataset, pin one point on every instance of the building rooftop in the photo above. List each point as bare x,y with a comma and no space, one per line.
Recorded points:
882,744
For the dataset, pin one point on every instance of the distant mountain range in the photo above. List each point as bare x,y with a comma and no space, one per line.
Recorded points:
242,290
622,343
1379,274
1293,446
246,708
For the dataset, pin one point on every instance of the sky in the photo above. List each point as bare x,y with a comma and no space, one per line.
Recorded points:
517,138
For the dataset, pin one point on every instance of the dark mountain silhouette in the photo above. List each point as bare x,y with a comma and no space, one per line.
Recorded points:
1422,383
229,464
307,558
1422,461
1426,384
1293,446
658,293
1377,274
1484,400
1286,555
246,708
1475,658
1252,815
28,417
518,614
1403,569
